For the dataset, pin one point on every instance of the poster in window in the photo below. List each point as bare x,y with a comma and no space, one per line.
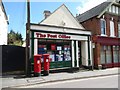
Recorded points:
60,52
67,56
52,57
59,48
65,47
53,47
59,57
68,47
68,52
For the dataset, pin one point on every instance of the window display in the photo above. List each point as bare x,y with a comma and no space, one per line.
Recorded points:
42,49
59,57
58,51
52,57
67,55
53,47
59,47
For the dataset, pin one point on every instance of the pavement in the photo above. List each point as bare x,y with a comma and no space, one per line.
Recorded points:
12,81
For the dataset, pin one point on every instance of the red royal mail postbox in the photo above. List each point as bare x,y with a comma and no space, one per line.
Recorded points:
46,63
37,65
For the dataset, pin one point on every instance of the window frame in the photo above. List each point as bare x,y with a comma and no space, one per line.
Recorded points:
103,33
116,10
112,29
113,9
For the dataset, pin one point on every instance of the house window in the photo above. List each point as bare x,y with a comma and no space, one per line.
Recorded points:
110,9
119,11
119,29
103,26
116,10
113,9
112,29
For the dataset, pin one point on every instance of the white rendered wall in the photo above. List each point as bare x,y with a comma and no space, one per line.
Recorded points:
91,53
3,28
84,49
77,54
62,17
35,46
73,57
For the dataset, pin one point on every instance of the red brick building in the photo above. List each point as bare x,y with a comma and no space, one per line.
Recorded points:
104,22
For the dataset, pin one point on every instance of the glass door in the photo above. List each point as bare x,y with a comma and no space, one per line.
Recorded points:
79,54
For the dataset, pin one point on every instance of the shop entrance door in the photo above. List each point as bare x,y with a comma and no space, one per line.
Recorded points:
79,54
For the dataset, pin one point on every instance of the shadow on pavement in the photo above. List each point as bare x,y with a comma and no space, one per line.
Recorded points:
22,74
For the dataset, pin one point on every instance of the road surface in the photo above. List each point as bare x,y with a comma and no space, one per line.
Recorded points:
95,82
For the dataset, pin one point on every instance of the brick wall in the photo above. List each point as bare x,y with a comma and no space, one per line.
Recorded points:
108,17
93,24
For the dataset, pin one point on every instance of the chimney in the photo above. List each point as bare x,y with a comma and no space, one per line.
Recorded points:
47,13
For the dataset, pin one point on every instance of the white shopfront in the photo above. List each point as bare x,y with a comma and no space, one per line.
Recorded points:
68,47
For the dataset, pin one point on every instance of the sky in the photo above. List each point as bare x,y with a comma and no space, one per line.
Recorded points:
17,12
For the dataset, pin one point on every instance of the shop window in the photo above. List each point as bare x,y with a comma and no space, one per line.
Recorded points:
102,55
103,26
108,55
115,53
119,29
59,53
59,50
112,29
67,56
119,53
42,49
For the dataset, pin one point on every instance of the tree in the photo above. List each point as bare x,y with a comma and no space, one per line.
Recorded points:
15,38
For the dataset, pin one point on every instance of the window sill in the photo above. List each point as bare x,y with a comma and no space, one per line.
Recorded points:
103,35
112,36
